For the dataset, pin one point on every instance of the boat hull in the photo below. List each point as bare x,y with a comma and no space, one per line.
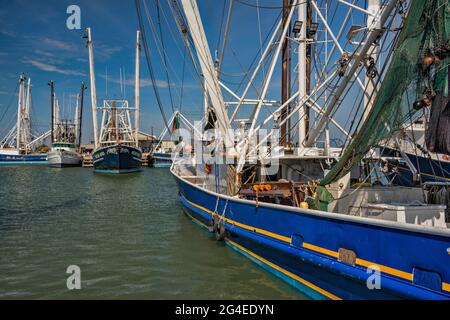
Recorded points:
65,158
23,159
302,247
117,159
160,160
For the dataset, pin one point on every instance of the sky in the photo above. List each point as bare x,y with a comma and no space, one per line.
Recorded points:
34,39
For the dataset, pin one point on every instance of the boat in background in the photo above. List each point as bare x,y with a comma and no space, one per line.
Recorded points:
164,151
116,144
66,136
18,146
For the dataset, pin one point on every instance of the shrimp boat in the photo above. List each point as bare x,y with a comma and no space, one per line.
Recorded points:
17,147
328,222
116,148
66,136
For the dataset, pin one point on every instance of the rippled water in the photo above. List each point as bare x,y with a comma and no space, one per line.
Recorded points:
127,233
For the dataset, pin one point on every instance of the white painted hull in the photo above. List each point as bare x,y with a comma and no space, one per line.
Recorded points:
64,158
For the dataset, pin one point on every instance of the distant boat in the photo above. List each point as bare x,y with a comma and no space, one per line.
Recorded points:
64,155
161,156
17,147
65,135
10,157
160,159
116,143
117,158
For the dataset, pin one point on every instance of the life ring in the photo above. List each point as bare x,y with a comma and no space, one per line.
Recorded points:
208,168
220,232
446,157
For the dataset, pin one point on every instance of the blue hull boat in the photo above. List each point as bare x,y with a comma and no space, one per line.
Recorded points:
23,159
117,159
306,248
160,160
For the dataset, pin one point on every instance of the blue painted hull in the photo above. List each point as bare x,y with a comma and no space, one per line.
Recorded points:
160,160
301,247
117,159
23,159
430,170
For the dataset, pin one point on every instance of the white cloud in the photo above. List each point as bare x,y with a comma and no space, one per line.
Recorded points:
51,68
57,44
143,82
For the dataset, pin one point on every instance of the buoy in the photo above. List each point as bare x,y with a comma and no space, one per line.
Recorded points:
255,187
261,187
428,60
427,102
304,205
268,187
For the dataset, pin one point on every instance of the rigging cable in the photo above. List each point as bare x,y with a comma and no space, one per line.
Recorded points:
149,63
267,7
182,80
10,102
164,54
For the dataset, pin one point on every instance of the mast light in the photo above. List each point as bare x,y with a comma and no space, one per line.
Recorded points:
313,29
297,27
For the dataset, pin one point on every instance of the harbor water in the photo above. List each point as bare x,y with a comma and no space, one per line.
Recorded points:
127,234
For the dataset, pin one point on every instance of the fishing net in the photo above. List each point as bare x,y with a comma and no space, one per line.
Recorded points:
407,78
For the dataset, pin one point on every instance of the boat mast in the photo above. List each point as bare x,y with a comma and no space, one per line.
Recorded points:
20,110
373,6
83,87
302,74
52,107
93,88
136,89
75,117
26,115
285,73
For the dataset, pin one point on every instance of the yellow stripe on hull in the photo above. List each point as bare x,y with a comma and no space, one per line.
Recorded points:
364,263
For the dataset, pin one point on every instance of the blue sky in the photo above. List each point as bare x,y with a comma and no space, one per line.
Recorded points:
34,40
